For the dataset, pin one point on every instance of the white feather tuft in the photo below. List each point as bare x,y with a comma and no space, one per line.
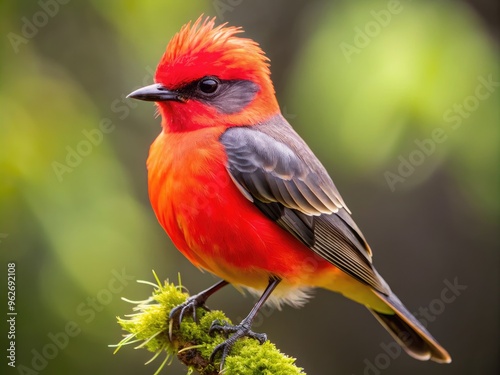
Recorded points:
295,297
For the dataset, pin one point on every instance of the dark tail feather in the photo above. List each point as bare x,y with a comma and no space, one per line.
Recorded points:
409,332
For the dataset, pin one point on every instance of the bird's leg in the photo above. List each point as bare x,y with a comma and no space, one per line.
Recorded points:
242,329
192,303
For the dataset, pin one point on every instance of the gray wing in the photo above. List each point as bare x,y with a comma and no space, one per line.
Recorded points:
275,169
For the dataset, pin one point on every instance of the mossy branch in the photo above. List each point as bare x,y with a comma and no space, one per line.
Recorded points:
191,343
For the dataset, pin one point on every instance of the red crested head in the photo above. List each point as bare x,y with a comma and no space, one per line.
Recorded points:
203,48
208,76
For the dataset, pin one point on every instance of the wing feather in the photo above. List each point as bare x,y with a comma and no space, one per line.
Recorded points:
274,168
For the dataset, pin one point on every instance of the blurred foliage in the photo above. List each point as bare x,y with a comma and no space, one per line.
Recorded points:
379,77
74,213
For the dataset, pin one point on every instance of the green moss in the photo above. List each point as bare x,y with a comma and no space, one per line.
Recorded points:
251,358
148,327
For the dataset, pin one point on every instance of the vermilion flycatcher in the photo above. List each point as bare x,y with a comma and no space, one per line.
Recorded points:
241,194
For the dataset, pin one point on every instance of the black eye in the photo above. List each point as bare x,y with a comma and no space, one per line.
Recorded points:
208,85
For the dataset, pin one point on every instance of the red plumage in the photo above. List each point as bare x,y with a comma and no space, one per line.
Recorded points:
241,195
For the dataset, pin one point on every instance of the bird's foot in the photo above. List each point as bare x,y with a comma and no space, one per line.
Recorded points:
189,307
238,331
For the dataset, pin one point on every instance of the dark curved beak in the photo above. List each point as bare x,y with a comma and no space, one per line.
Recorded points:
155,93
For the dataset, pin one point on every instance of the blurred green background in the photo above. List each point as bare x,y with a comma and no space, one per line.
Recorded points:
398,99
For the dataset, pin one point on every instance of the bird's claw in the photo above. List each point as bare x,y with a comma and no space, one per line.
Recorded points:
189,306
240,330
177,313
237,331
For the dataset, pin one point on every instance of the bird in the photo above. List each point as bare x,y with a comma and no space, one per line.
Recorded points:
242,196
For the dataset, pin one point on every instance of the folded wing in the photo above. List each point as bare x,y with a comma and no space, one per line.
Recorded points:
274,168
